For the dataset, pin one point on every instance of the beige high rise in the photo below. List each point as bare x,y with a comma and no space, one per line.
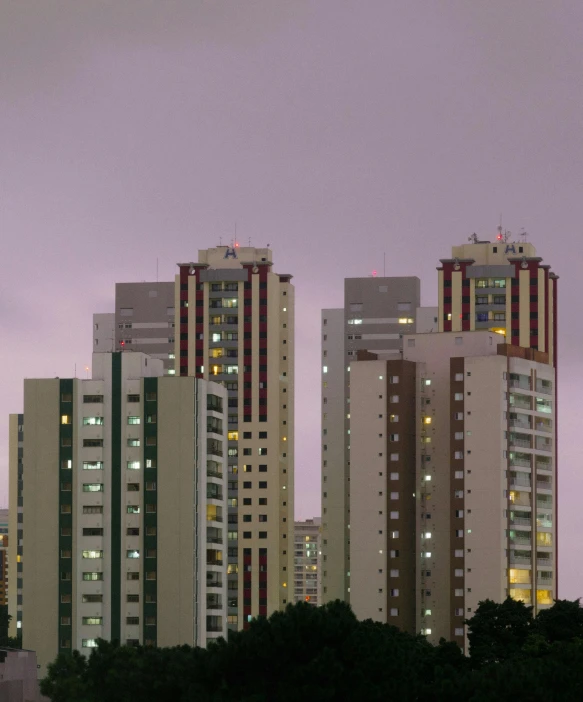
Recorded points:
235,325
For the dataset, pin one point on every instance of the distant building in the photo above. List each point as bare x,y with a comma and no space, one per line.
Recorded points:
3,556
143,321
307,549
122,508
376,314
18,676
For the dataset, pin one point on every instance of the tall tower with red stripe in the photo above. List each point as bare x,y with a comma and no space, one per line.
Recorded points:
502,286
235,325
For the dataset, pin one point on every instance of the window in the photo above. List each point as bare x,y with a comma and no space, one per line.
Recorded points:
459,513
459,572
132,598
394,476
458,454
92,598
458,553
394,456
394,515
394,418
133,398
133,509
91,421
394,379
92,531
92,621
92,487
92,554
92,443
458,396
92,509
132,621
89,643
133,442
134,420
393,437
90,399
458,474
92,576
394,496
263,485
133,575
459,631
459,435
394,573
133,465
394,398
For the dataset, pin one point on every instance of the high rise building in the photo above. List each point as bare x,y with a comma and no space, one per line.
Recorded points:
15,521
502,286
307,547
143,321
236,327
453,459
122,508
376,314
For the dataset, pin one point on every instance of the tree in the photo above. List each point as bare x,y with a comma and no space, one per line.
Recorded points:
497,632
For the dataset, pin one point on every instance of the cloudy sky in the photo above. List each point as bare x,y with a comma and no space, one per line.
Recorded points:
334,130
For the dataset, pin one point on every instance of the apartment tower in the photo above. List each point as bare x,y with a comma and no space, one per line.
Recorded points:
376,314
236,327
454,447
121,496
307,568
143,321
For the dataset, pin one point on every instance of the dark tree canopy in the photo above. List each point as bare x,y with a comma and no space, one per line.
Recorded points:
325,654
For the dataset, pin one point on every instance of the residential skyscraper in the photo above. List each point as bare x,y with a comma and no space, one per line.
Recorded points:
143,321
122,507
453,462
307,569
376,314
236,327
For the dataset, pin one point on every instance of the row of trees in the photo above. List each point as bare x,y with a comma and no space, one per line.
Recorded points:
325,654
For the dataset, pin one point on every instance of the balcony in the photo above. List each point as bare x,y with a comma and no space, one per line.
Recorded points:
522,462
521,384
523,482
520,560
521,521
521,402
544,485
519,425
522,443
215,583
544,466
543,388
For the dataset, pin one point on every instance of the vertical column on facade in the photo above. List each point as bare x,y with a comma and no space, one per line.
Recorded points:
181,315
150,518
457,503
66,473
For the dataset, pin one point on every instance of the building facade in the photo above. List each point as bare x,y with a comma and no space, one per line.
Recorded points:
236,326
123,503
454,451
307,554
376,314
143,321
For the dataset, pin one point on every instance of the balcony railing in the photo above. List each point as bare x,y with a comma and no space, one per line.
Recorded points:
544,390
215,562
216,518
521,521
541,426
214,583
214,474
214,606
524,443
518,424
519,384
521,404
519,560
520,481
540,485
214,629
541,465
520,462
214,539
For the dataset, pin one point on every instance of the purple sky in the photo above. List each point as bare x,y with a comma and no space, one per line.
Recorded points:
333,130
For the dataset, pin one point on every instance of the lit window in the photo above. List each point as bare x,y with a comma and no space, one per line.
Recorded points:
89,643
132,553
133,465
92,554
134,420
92,487
66,419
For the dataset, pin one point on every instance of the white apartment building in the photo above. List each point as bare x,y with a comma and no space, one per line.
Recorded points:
121,488
307,555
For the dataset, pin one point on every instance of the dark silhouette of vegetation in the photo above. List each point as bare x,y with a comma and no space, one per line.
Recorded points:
325,654
5,640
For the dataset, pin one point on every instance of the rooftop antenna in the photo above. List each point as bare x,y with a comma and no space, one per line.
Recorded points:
473,238
503,234
523,234
220,241
235,242
249,242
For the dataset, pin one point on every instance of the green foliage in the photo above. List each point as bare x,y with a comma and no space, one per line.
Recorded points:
325,654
